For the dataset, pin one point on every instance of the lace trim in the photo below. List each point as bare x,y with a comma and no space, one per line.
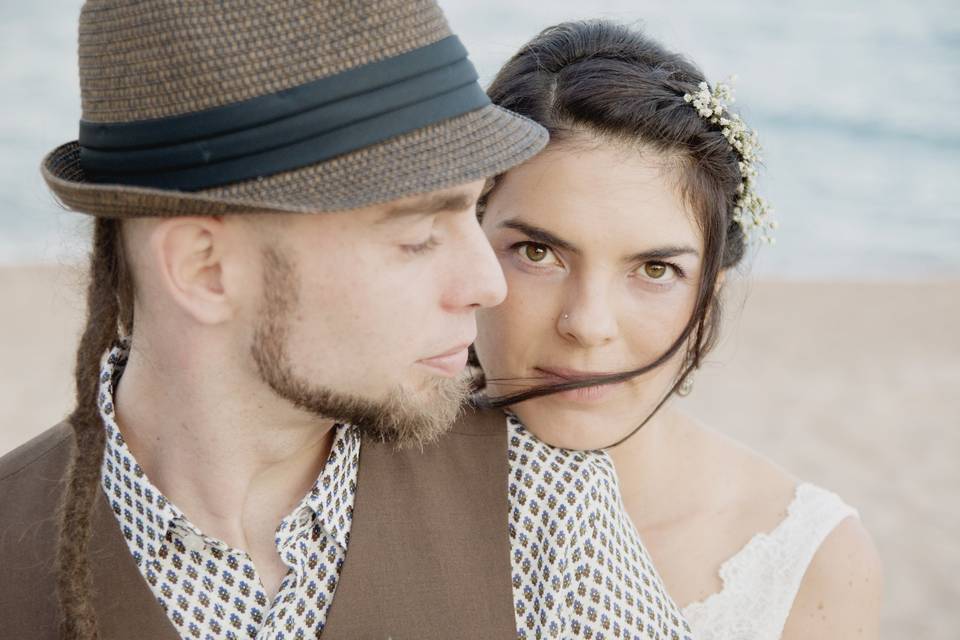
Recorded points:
761,581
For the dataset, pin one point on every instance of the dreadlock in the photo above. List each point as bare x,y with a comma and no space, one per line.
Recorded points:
109,311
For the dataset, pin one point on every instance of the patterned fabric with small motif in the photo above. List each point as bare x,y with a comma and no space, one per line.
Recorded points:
579,568
208,589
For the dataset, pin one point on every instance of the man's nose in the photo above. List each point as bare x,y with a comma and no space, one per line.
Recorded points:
477,280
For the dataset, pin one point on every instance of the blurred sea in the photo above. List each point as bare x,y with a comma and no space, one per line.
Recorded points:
856,104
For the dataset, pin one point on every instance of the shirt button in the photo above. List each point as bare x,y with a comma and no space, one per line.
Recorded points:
193,542
304,516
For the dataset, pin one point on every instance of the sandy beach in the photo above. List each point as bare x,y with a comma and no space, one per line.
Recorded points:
850,386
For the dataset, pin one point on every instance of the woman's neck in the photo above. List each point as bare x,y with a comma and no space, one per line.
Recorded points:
662,458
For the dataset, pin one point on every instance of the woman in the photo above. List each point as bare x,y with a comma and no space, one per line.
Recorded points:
615,242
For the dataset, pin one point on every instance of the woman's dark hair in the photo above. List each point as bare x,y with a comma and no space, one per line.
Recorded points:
616,84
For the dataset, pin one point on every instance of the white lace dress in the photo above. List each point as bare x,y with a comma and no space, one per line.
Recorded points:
761,581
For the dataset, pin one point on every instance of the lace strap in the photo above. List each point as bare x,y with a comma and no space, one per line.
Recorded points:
761,581
814,513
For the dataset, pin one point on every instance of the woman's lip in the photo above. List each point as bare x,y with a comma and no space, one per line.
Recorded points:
588,395
574,374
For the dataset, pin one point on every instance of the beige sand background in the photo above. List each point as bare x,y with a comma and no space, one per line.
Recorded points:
855,387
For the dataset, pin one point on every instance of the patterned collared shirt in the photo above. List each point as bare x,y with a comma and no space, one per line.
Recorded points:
579,567
208,589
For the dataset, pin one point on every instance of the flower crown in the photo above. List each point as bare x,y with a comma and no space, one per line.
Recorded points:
751,212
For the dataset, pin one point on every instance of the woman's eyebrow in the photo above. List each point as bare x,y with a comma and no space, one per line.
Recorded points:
539,234
663,253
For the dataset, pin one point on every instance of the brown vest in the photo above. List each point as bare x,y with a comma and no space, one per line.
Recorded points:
428,556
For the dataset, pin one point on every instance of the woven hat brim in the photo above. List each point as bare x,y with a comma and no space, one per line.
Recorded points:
473,146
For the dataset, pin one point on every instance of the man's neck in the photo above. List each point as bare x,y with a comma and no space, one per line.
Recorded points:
230,454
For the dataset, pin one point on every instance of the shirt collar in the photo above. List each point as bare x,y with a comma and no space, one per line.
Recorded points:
328,504
130,492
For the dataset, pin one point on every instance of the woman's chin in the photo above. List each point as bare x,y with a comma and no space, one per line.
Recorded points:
561,425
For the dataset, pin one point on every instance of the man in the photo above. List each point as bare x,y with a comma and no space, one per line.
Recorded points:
286,264
285,253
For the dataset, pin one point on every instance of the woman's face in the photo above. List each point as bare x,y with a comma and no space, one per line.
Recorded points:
602,258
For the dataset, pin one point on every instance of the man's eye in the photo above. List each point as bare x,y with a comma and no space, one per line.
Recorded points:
423,247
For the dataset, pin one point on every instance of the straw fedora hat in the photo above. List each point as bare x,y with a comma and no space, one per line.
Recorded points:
204,107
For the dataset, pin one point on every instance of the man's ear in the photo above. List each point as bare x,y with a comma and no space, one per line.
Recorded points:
188,253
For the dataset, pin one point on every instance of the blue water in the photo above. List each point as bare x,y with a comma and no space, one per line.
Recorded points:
857,105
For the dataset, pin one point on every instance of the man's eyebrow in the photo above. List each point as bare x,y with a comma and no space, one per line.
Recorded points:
429,205
538,234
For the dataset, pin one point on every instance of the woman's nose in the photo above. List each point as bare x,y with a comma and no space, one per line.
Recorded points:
589,316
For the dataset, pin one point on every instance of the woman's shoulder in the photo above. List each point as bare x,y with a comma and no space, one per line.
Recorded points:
836,574
749,486
760,490
841,590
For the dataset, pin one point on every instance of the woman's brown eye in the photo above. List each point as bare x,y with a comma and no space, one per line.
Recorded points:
655,270
535,252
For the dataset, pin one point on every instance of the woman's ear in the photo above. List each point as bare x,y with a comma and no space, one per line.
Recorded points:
721,279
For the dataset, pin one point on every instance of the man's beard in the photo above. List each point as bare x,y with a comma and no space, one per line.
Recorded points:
402,417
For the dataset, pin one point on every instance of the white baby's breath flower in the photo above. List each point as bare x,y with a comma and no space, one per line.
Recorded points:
751,212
